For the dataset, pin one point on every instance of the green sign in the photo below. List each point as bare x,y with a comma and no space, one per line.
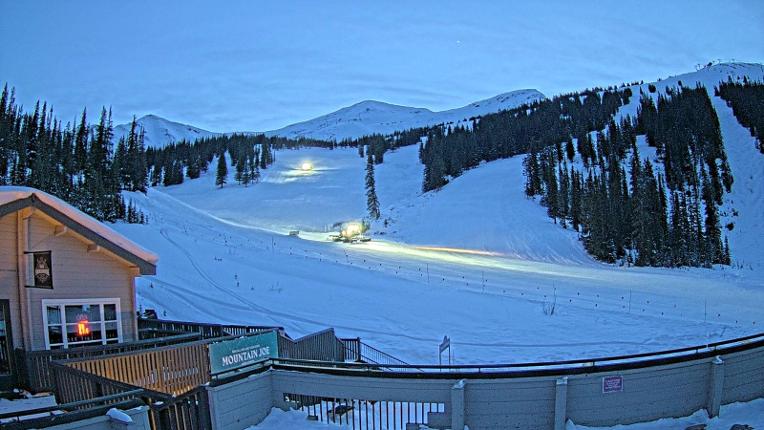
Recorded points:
244,351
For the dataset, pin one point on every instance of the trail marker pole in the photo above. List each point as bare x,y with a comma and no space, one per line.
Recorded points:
445,345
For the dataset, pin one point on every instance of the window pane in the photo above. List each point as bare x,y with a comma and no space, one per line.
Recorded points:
83,331
54,334
111,330
76,313
54,315
110,312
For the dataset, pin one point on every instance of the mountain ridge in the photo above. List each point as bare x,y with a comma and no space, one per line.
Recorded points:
359,119
379,117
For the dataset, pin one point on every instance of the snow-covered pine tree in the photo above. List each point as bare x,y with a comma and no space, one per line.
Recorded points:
372,203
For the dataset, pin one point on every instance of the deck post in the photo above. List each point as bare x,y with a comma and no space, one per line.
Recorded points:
457,405
560,403
717,387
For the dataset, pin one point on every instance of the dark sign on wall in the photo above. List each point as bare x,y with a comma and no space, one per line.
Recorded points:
41,270
612,384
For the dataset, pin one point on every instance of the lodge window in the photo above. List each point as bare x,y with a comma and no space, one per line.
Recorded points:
73,323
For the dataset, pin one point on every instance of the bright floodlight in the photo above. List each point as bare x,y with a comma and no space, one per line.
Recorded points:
306,166
352,229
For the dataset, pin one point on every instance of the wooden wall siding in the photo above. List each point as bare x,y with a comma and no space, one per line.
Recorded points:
743,377
79,274
648,394
172,370
520,403
323,345
9,273
229,412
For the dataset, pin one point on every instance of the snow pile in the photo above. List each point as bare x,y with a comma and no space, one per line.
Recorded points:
161,132
119,416
372,117
297,420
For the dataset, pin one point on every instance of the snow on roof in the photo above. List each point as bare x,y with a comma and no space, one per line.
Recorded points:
9,194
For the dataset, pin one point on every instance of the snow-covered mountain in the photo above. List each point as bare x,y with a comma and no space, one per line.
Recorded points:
361,119
160,132
370,117
477,253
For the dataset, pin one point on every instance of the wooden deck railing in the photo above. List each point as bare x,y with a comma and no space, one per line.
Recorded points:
147,326
174,369
323,345
187,411
76,386
37,364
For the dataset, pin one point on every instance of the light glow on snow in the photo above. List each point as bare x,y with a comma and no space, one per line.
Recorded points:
227,257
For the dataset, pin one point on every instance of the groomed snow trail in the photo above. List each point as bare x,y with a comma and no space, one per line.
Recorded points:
476,260
403,297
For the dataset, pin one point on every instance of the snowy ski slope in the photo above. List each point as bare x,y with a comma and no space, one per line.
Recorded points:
476,261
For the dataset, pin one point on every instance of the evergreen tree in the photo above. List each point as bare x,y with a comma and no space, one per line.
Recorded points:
713,245
570,150
240,167
222,171
372,203
254,171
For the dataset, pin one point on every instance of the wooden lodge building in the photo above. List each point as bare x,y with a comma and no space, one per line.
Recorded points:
66,280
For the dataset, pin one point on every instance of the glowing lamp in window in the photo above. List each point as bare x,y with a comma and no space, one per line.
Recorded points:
83,328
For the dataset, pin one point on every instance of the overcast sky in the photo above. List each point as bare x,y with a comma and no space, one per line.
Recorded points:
247,65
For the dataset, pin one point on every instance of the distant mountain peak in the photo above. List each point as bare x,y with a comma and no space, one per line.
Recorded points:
360,119
377,117
160,132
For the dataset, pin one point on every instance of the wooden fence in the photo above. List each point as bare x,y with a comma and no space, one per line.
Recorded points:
191,411
188,411
147,327
168,369
323,345
35,365
174,369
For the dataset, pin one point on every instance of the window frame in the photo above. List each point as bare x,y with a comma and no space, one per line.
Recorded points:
62,303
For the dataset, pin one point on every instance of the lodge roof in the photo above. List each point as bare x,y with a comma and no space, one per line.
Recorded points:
14,198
